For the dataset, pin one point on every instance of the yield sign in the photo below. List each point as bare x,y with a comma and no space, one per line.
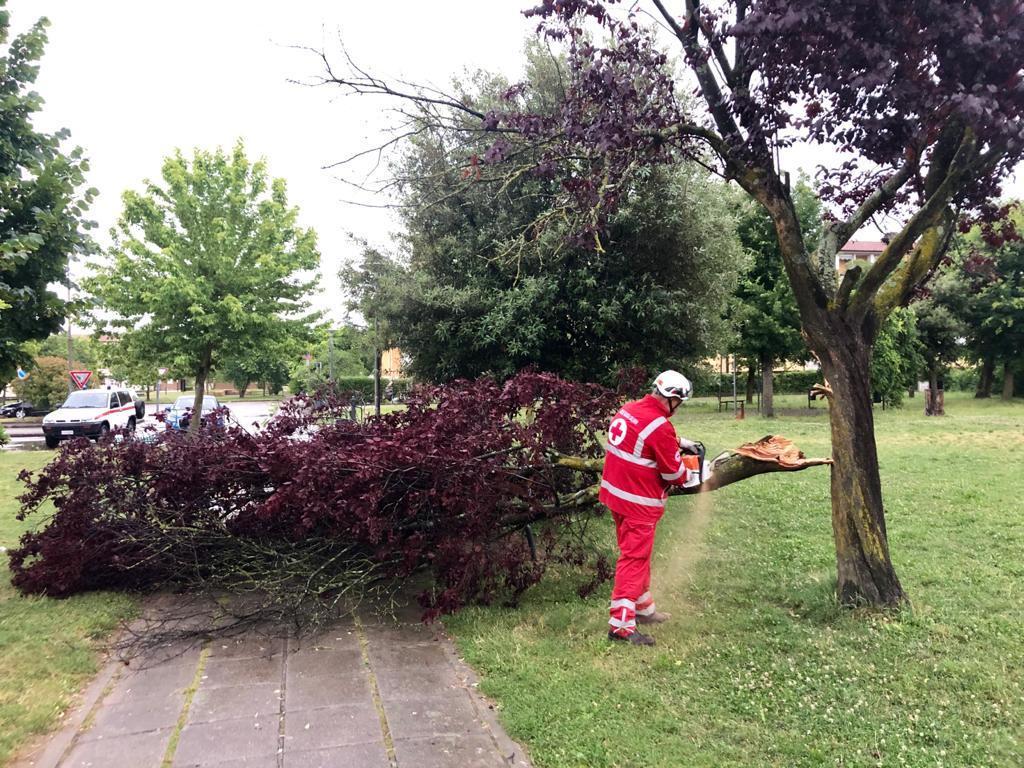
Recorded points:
81,378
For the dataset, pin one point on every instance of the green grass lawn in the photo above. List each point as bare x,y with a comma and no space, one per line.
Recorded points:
48,648
758,666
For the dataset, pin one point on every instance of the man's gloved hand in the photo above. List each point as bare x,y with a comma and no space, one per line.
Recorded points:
688,446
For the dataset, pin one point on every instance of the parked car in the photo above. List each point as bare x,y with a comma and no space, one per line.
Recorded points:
179,415
90,413
21,409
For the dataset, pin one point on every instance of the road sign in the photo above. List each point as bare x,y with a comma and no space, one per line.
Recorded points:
22,374
81,378
162,371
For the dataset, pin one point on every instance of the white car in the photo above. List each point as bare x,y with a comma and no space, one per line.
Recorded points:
90,413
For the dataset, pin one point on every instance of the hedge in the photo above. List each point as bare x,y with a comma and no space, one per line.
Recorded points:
363,385
786,383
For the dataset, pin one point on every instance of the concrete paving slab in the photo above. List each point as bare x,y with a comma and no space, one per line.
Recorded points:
331,727
416,682
247,647
131,751
134,716
183,652
264,761
234,701
449,752
340,637
355,756
231,671
159,682
400,634
432,716
327,689
210,743
313,660
386,655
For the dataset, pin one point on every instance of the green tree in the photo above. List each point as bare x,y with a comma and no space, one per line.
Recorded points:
41,205
268,361
210,262
377,285
991,300
86,350
487,282
896,358
942,330
764,313
47,382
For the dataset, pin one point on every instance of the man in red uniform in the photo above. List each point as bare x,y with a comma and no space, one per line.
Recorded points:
644,457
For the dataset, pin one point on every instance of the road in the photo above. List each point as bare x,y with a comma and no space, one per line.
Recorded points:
248,413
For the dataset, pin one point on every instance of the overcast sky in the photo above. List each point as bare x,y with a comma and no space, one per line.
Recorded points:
134,79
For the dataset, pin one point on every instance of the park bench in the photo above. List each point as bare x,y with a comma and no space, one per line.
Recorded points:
727,400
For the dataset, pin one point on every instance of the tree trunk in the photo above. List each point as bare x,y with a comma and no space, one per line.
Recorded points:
864,569
933,405
376,380
197,403
767,388
1007,380
986,377
241,390
751,384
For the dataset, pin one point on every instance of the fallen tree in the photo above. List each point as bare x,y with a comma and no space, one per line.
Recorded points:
481,486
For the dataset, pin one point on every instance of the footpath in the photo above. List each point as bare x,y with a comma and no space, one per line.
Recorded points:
366,692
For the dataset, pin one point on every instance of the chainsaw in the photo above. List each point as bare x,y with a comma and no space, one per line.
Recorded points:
694,461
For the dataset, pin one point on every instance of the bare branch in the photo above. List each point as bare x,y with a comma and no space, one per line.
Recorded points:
837,235
689,37
928,216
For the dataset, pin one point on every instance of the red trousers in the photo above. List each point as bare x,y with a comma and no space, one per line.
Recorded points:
631,594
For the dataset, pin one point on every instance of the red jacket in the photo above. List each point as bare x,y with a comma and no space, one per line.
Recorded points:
643,460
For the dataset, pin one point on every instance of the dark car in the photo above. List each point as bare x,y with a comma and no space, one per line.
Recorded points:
179,415
22,409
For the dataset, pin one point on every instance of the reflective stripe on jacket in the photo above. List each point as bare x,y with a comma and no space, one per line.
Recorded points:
642,460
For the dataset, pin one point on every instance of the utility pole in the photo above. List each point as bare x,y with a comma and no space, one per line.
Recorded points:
376,368
67,277
330,356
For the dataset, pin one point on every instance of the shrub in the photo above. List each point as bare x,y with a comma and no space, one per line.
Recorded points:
47,382
447,486
796,382
962,379
312,379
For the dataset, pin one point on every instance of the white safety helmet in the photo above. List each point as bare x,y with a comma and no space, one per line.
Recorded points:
673,384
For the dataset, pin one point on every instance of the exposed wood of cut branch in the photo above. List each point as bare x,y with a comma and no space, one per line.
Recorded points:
771,453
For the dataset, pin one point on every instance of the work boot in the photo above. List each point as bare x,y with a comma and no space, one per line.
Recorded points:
653,618
634,638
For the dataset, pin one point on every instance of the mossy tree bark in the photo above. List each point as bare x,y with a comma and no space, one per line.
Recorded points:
865,572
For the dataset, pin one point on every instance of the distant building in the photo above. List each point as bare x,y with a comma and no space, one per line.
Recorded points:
858,250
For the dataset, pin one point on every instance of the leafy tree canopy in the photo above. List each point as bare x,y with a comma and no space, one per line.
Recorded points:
765,315
47,382
209,264
896,358
488,283
41,203
991,265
